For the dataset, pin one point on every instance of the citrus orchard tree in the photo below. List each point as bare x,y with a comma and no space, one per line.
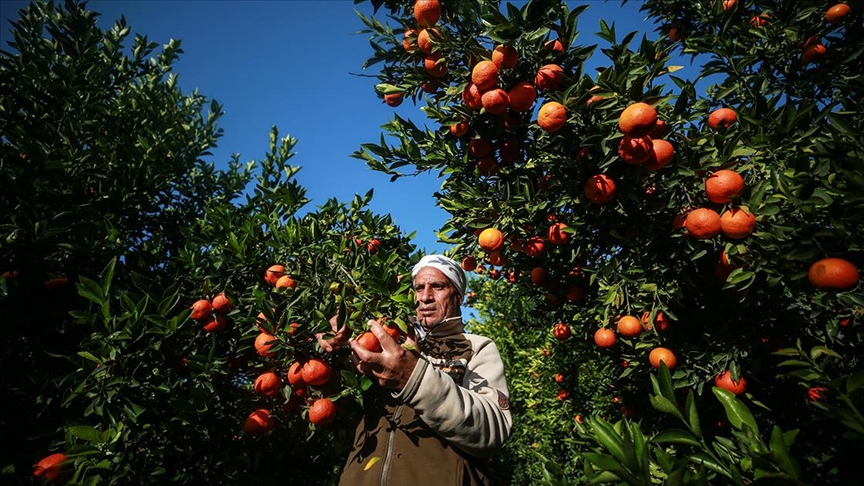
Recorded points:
694,240
159,314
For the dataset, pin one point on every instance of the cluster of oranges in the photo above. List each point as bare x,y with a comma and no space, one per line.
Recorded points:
212,314
423,40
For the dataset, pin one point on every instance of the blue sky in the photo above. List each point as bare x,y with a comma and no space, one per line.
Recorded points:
294,64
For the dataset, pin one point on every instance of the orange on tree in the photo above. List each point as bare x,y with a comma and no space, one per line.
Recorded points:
472,97
273,273
724,185
480,147
629,326
295,374
559,378
427,12
662,355
637,120
322,412
574,293
215,323
660,323
816,393
737,223
604,337
490,239
724,117
813,53
263,343
553,46
724,380
259,422
459,129
505,56
469,263
534,246
286,282
552,116
758,21
435,66
837,13
549,77
661,129
728,4
702,223
538,275
593,99
495,101
409,40
662,154
676,34
394,99
221,304
600,188
522,97
315,372
496,258
557,235
484,75
201,309
267,384
561,331
369,342
50,468
724,267
635,150
833,274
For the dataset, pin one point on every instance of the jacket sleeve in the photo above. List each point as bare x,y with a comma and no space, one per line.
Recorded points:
475,416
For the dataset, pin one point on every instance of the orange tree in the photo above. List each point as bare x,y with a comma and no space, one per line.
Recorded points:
138,280
611,191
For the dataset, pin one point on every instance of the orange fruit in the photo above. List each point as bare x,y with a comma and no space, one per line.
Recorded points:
660,322
369,342
559,378
373,245
724,380
604,337
263,343
813,53
561,331
480,147
495,101
295,375
267,384
637,120
50,467
553,46
273,273
426,40
221,304
394,99
574,293
552,116
538,275
469,263
737,223
724,185
629,326
816,393
216,323
675,34
837,13
459,129
702,223
635,150
315,372
593,99
259,422
728,4
429,86
600,189
758,21
549,77
490,239
505,56
833,274
557,235
662,154
661,129
724,268
472,97
496,258
409,40
508,151
522,97
562,395
722,116
662,355
487,166
286,282
534,246
435,66
427,12
322,412
201,309
484,75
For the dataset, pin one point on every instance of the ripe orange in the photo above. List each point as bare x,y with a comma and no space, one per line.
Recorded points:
724,380
394,99
549,77
637,120
508,151
267,384
534,246
574,293
816,393
215,323
629,326
813,53
286,282
728,4
259,422
495,101
469,263
369,342
833,274
552,116
221,304
505,56
724,268
604,337
485,75
562,394
459,129
538,275
426,40
496,258
722,117
391,329
561,331
263,343
315,372
635,150
660,322
702,223
295,375
429,86
490,239
50,467
559,378
675,34
471,96
522,97
201,309
435,66
409,40
662,154
660,354
554,46
837,13
273,273
737,223
322,412
480,147
600,189
557,235
758,21
427,12
593,99
724,185
661,129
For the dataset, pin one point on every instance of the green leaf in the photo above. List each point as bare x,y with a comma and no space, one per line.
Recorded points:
664,405
693,414
606,436
737,413
780,452
855,381
108,276
676,436
86,433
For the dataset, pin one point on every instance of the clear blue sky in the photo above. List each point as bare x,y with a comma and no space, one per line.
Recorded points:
293,64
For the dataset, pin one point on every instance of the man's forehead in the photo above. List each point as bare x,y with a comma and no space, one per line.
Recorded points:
431,275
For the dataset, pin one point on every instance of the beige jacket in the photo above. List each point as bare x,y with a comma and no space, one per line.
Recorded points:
451,416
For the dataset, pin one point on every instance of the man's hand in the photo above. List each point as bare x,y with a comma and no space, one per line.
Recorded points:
339,339
393,365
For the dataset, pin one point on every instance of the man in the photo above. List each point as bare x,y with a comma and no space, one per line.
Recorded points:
442,407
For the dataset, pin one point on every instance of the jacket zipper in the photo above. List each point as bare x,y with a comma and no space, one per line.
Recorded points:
397,414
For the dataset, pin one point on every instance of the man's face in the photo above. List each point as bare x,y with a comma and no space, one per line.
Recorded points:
437,298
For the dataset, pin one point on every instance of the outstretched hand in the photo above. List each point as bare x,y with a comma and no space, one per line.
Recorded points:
391,367
339,339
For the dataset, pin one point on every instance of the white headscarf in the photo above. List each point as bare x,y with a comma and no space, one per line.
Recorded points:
452,270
